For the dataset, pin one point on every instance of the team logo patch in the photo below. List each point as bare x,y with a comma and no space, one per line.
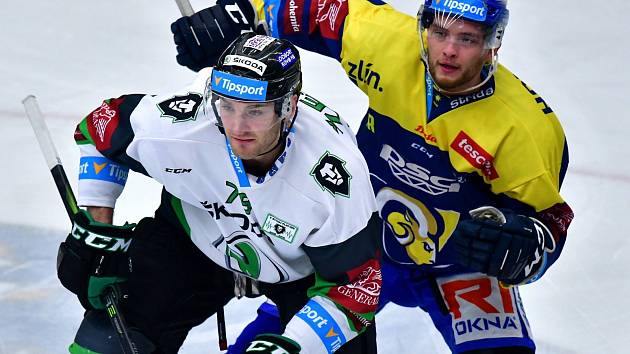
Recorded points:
279,228
244,62
258,42
331,175
417,176
475,154
242,255
103,121
181,108
101,118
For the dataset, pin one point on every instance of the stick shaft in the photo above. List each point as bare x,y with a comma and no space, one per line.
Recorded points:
49,151
221,329
184,7
118,322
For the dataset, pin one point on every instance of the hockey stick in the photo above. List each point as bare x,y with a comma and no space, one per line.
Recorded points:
50,154
53,161
185,8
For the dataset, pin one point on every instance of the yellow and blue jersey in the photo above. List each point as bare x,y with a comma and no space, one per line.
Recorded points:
433,157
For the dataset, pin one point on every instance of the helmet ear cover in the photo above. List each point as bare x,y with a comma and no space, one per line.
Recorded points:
426,19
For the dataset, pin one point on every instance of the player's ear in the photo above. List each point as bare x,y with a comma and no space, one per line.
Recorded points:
294,101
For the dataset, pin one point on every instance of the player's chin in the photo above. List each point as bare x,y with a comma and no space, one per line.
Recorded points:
244,153
445,78
447,83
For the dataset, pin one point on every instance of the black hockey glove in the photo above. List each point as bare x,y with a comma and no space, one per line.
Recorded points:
267,343
92,258
502,244
201,38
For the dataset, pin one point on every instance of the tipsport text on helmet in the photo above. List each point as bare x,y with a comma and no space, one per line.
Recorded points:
239,87
472,9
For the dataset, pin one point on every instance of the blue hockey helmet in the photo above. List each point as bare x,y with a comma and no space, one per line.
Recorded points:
492,14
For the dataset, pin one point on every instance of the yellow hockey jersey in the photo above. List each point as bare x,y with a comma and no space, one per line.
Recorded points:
433,159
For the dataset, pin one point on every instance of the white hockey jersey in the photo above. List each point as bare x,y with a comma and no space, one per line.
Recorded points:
317,194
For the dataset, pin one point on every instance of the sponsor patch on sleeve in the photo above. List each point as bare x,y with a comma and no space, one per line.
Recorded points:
102,169
361,295
323,324
475,154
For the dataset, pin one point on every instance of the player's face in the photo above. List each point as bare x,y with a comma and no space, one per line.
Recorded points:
457,54
253,128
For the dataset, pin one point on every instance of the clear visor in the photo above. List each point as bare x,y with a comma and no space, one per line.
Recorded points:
238,115
446,28
469,39
444,20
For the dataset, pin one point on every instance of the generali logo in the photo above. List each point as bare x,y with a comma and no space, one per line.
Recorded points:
475,154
